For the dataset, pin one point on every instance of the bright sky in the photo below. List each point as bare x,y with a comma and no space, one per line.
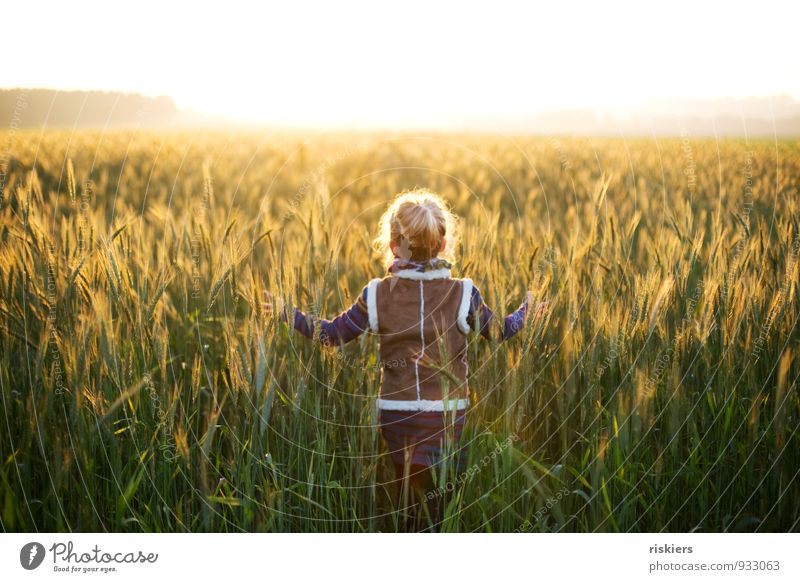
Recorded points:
354,64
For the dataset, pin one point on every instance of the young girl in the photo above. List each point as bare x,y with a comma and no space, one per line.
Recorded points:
422,316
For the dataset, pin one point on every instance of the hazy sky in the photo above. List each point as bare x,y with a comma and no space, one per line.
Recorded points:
349,63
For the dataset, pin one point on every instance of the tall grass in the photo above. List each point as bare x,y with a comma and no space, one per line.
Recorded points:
144,390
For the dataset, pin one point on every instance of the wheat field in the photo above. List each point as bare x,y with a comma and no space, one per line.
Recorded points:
144,389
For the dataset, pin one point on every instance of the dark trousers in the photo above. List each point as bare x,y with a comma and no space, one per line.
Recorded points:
420,502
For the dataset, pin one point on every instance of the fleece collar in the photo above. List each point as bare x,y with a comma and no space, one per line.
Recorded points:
435,268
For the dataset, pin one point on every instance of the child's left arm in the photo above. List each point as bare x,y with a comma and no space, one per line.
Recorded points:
343,328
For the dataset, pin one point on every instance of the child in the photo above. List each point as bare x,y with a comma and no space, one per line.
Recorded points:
422,317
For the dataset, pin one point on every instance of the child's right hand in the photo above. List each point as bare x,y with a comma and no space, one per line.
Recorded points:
541,307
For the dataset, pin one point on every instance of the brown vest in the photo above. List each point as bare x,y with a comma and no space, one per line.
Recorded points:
421,321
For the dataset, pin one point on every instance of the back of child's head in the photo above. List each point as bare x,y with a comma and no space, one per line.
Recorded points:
418,222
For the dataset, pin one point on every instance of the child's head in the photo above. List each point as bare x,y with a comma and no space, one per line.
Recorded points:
419,226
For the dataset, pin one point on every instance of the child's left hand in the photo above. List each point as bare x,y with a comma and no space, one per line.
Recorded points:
271,305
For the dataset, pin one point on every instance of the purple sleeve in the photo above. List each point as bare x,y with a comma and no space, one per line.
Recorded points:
511,324
345,327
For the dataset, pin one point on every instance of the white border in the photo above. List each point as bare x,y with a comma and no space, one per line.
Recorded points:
463,308
372,304
622,557
422,405
421,333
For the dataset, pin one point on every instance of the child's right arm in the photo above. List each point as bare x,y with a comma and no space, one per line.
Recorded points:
512,323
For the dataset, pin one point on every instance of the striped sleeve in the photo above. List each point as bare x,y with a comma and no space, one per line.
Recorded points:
512,323
343,328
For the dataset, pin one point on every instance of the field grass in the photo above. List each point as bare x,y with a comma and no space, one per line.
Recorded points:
143,389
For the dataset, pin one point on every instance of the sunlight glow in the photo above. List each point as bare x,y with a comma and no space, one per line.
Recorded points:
443,64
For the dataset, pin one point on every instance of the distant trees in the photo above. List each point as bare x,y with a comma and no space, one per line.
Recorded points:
51,108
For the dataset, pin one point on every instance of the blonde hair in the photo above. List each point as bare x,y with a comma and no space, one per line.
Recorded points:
417,221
